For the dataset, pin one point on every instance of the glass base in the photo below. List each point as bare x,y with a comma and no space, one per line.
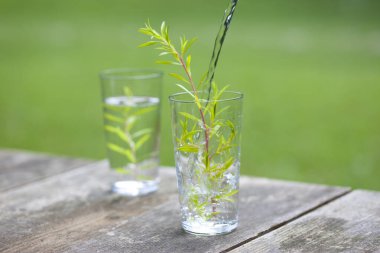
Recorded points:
134,188
209,228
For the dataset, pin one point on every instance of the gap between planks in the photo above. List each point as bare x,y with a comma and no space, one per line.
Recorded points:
279,225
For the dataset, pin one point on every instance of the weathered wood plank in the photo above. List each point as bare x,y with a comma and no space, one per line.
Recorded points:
18,168
74,212
66,212
70,205
349,224
264,204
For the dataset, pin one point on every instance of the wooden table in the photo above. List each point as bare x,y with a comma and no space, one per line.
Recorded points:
56,204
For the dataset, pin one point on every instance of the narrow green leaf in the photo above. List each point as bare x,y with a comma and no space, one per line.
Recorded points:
142,132
163,28
201,206
167,34
113,118
222,110
214,130
167,62
201,81
122,135
116,148
122,171
222,91
231,193
130,123
213,214
149,43
131,157
179,77
183,124
214,88
224,148
188,45
225,167
226,196
233,131
222,139
141,141
146,31
229,199
210,105
163,53
188,61
144,111
213,112
189,135
189,116
122,151
165,48
210,109
183,44
147,24
186,90
190,148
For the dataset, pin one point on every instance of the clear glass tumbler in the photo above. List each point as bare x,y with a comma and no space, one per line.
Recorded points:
131,104
206,139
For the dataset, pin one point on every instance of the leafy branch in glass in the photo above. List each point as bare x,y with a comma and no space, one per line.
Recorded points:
208,175
206,134
131,124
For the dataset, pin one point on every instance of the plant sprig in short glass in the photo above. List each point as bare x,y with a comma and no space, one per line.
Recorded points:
216,159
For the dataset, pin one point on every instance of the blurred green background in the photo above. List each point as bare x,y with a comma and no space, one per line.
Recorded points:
310,71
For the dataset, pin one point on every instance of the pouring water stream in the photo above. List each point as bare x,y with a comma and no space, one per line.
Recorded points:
228,14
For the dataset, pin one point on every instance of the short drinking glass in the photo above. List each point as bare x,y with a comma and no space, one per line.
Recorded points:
206,137
131,105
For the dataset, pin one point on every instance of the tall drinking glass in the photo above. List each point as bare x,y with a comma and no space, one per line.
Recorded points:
206,137
131,105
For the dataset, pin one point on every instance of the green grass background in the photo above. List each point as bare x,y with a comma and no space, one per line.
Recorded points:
310,71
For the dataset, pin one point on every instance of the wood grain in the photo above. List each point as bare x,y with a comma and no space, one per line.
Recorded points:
18,168
44,216
75,212
264,204
349,224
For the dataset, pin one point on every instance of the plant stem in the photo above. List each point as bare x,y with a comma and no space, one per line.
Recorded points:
207,156
213,203
198,103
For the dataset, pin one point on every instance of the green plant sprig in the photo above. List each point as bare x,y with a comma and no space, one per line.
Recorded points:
120,121
212,125
163,42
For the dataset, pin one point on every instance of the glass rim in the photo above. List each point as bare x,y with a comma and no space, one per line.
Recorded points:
130,73
238,96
